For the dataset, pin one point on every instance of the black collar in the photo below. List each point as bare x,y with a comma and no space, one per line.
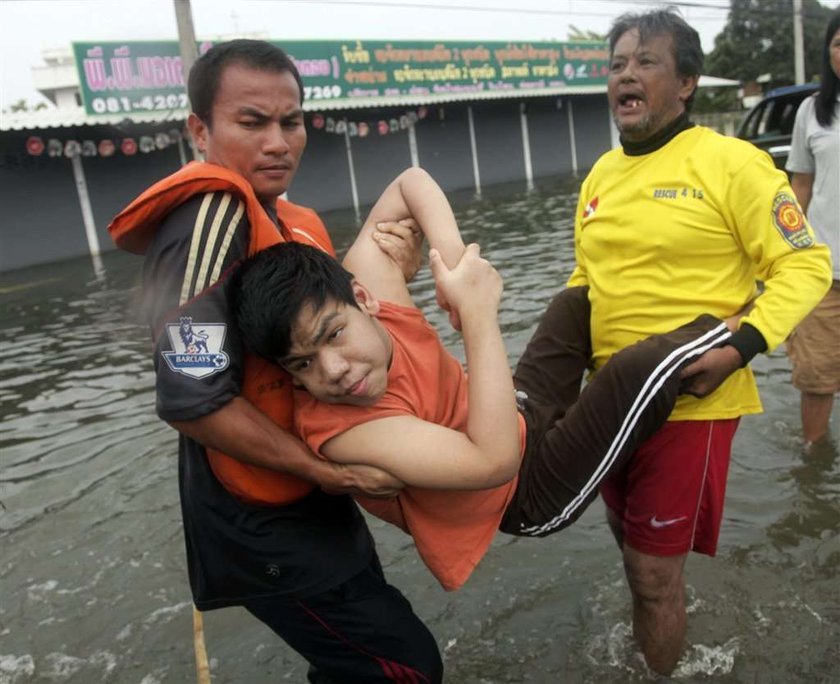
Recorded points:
657,140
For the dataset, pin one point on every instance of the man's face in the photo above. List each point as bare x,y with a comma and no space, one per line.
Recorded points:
256,129
644,90
339,353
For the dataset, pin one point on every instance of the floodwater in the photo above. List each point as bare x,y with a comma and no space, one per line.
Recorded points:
92,572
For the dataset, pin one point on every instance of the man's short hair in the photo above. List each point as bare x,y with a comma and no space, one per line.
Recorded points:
685,41
206,73
270,289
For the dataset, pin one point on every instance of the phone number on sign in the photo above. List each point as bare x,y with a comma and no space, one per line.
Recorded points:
321,92
113,105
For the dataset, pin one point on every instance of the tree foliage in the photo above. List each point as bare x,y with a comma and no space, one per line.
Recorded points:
758,39
23,106
577,34
724,99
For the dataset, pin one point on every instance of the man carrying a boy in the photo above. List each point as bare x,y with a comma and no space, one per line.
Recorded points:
381,390
259,532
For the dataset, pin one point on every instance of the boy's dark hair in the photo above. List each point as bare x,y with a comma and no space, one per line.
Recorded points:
685,41
270,289
206,74
830,84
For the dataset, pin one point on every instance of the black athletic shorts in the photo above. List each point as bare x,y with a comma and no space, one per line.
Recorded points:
576,438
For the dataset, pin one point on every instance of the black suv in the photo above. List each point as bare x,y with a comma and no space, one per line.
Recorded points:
770,123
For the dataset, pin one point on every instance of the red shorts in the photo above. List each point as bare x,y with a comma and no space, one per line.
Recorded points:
670,495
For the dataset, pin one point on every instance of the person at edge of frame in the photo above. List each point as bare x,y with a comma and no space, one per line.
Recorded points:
814,161
678,221
267,525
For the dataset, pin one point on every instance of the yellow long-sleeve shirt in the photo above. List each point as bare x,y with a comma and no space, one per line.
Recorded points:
688,229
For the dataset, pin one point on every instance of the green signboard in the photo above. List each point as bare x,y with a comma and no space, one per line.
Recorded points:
146,76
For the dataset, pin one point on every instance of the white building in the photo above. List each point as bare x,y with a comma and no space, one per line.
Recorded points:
58,80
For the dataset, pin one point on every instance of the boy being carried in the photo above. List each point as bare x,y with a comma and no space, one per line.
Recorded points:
524,454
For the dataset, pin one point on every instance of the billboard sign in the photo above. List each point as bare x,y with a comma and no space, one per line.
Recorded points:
147,76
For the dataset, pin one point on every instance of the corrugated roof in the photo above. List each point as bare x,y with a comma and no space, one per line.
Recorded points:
67,118
439,98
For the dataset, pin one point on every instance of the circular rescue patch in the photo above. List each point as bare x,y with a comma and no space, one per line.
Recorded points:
790,222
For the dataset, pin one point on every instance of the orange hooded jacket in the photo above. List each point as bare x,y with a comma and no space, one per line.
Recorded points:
264,384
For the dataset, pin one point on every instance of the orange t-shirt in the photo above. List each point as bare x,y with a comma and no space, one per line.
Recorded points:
452,529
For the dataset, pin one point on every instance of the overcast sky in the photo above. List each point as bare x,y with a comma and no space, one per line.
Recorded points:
29,26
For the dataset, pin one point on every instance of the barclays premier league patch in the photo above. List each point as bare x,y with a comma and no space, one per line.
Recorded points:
197,348
790,222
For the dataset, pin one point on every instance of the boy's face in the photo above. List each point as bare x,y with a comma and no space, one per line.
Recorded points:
339,353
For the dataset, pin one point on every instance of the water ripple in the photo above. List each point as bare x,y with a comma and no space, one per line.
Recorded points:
93,578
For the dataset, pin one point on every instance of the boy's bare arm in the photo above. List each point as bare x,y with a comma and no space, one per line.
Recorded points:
420,454
412,194
473,290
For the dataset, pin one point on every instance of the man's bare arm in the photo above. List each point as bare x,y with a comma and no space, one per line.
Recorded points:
241,431
402,241
707,373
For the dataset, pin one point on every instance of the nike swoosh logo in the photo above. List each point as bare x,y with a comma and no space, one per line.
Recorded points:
665,523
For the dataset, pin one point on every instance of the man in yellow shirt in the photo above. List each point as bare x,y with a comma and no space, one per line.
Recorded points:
676,222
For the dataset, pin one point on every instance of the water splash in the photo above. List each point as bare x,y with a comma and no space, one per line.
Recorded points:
39,592
14,669
62,666
708,660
